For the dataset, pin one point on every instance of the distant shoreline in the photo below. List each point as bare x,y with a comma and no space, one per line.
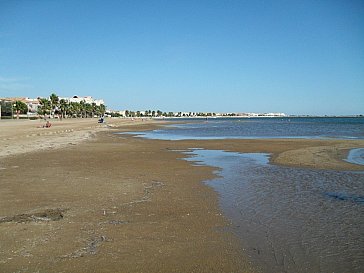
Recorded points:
216,117
163,118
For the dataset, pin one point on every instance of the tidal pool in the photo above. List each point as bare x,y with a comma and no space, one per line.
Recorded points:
290,219
356,156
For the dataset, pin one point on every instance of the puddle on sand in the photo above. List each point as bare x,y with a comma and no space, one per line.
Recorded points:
289,219
356,156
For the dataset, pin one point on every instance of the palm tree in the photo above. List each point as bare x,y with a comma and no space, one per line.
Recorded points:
54,102
88,110
94,109
102,109
45,106
75,109
64,106
82,108
20,107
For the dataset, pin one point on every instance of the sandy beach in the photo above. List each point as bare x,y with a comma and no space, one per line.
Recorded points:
78,198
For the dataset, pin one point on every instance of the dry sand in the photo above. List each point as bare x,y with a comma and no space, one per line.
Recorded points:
77,198
21,136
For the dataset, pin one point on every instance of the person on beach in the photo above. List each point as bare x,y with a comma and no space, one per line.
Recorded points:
47,125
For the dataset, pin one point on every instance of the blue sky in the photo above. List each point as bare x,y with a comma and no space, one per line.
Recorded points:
298,57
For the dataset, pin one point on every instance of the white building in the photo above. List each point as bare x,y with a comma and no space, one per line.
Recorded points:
33,105
274,115
86,99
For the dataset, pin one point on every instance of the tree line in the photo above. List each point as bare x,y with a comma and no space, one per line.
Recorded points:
54,106
158,113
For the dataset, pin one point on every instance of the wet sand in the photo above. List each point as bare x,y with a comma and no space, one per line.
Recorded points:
88,200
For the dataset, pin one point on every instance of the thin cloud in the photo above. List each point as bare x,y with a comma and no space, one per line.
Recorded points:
13,84
9,79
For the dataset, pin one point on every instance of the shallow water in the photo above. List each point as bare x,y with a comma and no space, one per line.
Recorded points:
290,219
356,156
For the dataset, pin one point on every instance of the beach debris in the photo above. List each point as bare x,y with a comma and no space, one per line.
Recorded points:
148,189
118,222
147,193
91,247
342,196
106,212
44,216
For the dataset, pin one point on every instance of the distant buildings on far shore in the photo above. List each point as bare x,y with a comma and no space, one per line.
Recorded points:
259,114
160,114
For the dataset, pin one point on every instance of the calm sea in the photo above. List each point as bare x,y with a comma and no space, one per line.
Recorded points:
288,219
342,128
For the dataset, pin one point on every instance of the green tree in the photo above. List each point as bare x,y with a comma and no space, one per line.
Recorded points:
82,107
20,108
74,109
64,107
102,109
54,102
45,106
88,110
94,109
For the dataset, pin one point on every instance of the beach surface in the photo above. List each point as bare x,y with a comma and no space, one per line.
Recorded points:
77,197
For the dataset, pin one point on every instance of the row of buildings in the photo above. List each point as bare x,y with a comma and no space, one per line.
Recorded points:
128,113
6,104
